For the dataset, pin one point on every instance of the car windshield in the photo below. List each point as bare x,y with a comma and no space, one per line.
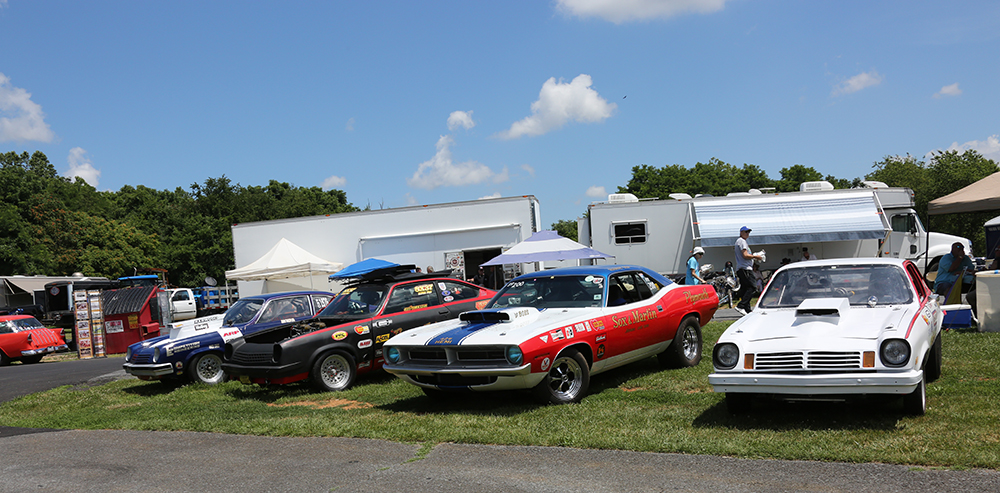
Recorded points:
861,284
19,325
551,292
243,311
358,301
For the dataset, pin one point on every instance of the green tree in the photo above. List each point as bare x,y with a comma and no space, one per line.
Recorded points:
566,228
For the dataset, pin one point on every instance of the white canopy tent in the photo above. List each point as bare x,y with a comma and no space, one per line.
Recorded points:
285,260
546,246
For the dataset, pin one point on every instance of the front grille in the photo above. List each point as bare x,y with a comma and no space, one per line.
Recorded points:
254,354
428,355
805,362
454,380
457,356
142,358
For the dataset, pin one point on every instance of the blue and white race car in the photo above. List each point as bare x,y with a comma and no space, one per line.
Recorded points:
195,346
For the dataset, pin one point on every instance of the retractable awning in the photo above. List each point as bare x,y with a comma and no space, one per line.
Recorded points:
793,218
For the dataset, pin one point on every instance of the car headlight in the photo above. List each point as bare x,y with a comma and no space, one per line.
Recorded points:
514,355
725,356
392,355
156,354
895,352
128,354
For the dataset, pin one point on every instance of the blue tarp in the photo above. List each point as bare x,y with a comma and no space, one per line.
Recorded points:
361,268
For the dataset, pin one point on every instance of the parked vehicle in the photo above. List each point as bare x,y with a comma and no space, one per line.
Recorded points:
345,340
188,303
23,338
551,331
876,221
194,347
834,329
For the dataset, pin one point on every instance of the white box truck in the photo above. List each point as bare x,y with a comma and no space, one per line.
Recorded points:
865,222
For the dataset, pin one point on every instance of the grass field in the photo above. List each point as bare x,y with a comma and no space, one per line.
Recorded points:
639,407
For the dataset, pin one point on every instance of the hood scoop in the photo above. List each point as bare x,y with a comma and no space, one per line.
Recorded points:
505,315
823,307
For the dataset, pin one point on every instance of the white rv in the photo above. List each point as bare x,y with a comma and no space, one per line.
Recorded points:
866,222
458,236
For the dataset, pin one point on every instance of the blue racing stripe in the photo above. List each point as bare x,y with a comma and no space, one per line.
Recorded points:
455,336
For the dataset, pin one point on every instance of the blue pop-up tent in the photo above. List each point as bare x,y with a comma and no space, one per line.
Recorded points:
363,267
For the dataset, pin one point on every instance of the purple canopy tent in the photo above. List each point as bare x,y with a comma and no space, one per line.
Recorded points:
546,246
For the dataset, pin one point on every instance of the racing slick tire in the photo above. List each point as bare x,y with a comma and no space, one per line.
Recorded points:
333,372
915,403
685,350
4,360
567,381
30,360
738,403
207,369
934,368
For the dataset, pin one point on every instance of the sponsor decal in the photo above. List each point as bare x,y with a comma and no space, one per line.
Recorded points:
692,298
361,329
171,350
601,337
385,322
442,340
228,335
449,298
633,317
365,343
600,351
347,290
579,327
396,331
568,331
381,338
424,289
587,325
339,335
598,324
557,335
481,304
415,307
201,326
287,320
364,364
378,352
445,292
544,338
179,365
545,364
442,287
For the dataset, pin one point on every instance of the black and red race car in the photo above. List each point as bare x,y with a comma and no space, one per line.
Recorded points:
345,339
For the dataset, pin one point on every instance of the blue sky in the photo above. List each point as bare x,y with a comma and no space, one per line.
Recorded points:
422,102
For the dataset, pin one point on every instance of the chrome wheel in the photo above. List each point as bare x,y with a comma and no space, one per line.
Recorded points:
567,381
208,369
692,342
334,372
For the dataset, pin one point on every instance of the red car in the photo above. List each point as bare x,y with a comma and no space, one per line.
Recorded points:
24,338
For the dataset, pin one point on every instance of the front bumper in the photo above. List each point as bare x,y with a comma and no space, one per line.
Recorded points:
465,377
903,382
45,350
153,370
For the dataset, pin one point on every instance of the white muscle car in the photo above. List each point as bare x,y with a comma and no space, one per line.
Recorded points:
834,329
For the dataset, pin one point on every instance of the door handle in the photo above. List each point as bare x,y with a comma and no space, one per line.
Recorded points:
443,312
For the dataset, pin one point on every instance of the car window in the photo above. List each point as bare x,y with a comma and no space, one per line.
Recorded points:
651,284
180,296
243,311
19,325
626,288
457,291
6,327
412,296
546,291
285,308
356,301
320,302
861,284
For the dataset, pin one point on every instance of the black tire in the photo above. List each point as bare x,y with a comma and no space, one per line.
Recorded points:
30,360
738,403
4,360
333,372
567,381
915,403
207,369
685,350
933,368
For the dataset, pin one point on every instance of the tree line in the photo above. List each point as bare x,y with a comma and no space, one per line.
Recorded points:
51,225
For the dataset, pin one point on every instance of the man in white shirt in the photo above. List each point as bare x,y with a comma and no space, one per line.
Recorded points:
806,255
744,271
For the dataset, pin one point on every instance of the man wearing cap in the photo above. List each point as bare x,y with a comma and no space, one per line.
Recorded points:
693,276
806,255
744,271
949,266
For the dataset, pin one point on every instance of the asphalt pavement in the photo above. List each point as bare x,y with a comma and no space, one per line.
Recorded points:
104,461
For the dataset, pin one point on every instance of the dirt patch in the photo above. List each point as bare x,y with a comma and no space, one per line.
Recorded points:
341,403
632,389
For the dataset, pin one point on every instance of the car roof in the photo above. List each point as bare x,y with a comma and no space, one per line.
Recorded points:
847,261
5,318
585,270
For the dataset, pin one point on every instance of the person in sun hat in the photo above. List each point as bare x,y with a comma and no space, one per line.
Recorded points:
693,276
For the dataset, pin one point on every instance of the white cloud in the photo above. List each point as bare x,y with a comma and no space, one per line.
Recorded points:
989,148
493,196
619,11
857,83
460,119
21,119
559,103
441,171
951,90
596,191
410,200
350,125
80,166
529,169
334,181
